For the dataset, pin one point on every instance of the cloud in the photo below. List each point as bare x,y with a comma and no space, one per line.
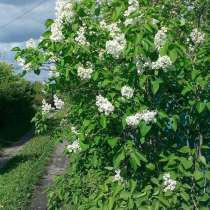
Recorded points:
17,27
21,20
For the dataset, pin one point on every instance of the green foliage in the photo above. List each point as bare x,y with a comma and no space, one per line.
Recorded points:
16,105
176,142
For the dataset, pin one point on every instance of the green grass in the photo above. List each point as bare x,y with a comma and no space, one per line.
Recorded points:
18,179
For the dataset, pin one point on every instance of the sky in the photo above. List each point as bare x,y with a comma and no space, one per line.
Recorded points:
21,20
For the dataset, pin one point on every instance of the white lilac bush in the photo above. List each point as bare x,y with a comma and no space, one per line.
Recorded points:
137,75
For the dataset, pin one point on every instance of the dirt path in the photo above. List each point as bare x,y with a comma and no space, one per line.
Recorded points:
57,165
8,153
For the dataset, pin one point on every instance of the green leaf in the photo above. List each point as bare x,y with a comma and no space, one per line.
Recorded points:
16,49
184,149
186,89
186,163
155,86
202,159
200,107
150,166
144,129
198,175
112,142
207,174
119,158
125,195
173,55
48,23
103,121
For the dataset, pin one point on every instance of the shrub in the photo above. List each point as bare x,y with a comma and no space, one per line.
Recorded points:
16,106
137,76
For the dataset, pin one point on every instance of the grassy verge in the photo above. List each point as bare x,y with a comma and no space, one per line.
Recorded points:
17,180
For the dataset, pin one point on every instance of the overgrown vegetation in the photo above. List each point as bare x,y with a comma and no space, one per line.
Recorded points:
137,75
18,100
18,178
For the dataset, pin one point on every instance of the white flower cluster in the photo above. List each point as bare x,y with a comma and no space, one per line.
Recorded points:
25,66
31,43
117,177
163,62
74,147
146,115
64,12
197,36
169,184
80,37
84,73
127,92
133,6
58,102
56,30
46,108
104,106
160,38
116,46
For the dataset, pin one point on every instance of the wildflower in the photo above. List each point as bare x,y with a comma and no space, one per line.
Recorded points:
117,176
169,184
163,62
127,92
84,73
160,38
104,106
74,147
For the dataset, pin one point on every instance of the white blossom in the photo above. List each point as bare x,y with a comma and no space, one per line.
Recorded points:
58,102
127,92
117,176
74,147
163,62
135,119
116,46
56,30
74,130
84,73
64,10
46,108
169,184
31,43
160,38
25,66
104,106
197,36
80,37
133,6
